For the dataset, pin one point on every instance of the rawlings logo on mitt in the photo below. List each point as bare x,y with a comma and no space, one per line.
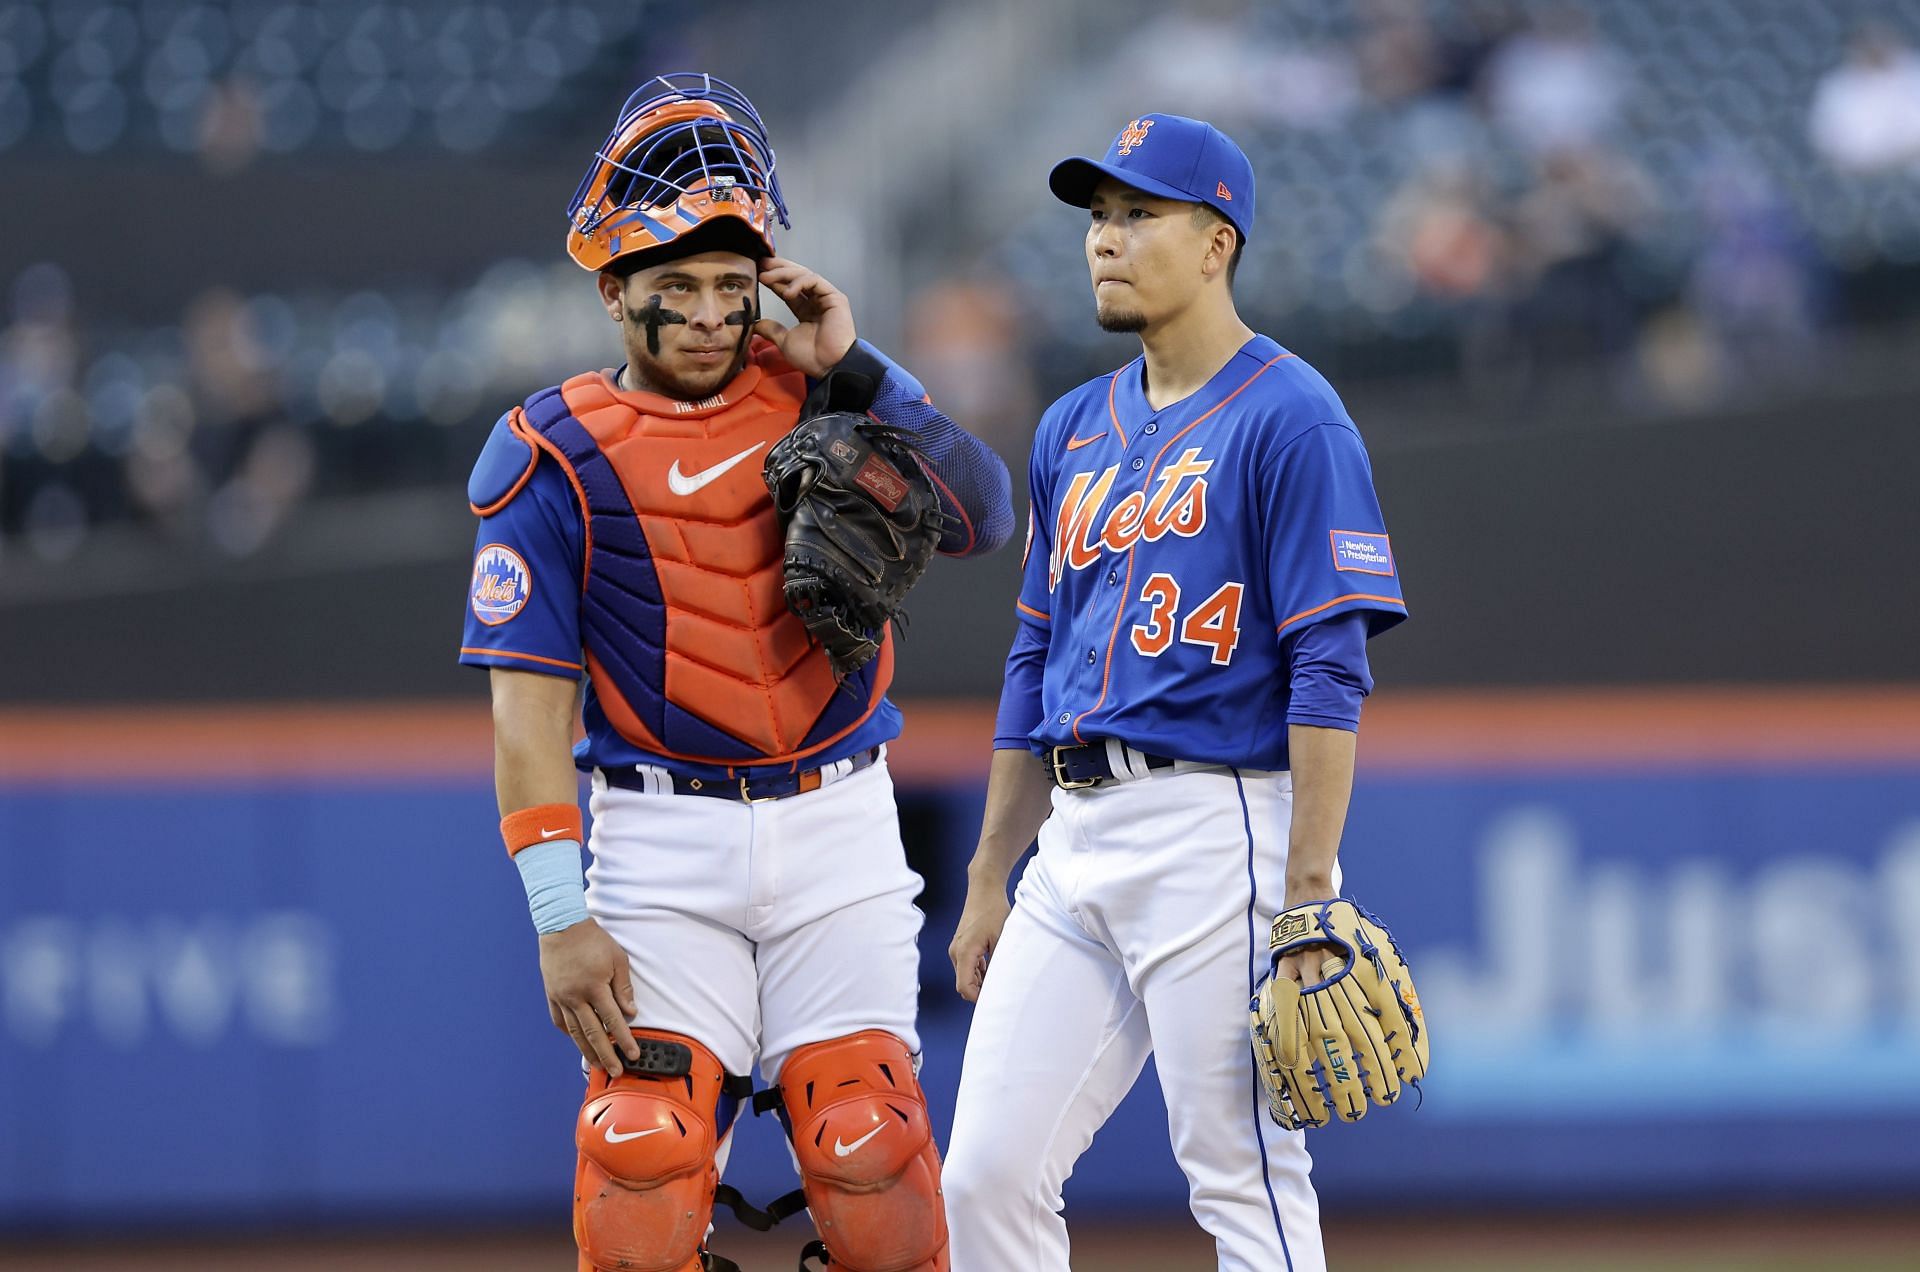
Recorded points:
1358,1033
862,522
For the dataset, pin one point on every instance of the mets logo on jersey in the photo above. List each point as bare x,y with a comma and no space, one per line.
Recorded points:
1134,135
501,584
1176,505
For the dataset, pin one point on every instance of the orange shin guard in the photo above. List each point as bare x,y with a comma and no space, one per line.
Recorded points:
643,1189
868,1165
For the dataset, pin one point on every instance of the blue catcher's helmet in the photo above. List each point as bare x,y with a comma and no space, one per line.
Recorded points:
688,151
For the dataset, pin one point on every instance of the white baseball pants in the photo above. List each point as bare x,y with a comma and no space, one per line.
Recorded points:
759,928
1140,926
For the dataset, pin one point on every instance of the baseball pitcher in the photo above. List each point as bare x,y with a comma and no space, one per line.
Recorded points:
1205,563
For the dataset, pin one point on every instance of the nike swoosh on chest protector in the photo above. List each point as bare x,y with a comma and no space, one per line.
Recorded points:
683,484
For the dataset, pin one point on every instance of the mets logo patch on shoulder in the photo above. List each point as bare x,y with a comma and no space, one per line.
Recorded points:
1358,552
501,584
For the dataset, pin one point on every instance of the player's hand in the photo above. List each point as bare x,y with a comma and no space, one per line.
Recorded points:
974,940
1302,966
590,993
823,330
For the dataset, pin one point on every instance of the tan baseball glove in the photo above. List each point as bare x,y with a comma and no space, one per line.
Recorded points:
1358,1033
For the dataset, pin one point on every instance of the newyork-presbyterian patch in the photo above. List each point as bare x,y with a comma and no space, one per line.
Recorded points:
501,584
1358,552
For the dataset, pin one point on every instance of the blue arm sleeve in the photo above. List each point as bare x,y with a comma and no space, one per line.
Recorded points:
975,491
1327,672
1020,704
1022,701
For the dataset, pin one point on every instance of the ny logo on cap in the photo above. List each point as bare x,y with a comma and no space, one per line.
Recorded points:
1134,134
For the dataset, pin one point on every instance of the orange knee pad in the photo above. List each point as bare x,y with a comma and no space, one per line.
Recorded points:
868,1165
643,1189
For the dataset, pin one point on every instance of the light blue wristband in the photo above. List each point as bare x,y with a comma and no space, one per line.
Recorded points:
556,884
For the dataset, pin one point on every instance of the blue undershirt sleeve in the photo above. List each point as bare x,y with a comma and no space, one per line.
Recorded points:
1327,672
1022,700
975,491
1020,703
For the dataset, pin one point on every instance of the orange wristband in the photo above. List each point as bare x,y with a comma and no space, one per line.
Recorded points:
541,824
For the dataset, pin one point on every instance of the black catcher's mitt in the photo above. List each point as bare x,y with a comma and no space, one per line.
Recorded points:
862,521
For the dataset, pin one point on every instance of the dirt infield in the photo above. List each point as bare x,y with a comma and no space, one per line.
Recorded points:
1872,1241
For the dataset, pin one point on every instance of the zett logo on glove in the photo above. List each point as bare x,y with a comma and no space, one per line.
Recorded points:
1290,927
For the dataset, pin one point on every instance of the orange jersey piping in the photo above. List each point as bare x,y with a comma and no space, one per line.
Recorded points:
1340,600
508,653
1113,382
1126,589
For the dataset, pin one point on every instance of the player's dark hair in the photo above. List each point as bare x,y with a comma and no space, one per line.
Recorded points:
1205,214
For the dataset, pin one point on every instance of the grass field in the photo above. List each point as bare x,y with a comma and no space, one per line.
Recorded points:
1769,1241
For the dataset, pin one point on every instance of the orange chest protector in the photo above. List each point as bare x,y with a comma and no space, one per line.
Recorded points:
689,642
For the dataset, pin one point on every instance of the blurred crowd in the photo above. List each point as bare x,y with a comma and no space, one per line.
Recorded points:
210,431
1688,200
229,80
1681,195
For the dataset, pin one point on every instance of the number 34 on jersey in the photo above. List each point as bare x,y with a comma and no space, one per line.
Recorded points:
1177,505
1214,623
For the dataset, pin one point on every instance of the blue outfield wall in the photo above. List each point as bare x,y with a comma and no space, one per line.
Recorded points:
278,1001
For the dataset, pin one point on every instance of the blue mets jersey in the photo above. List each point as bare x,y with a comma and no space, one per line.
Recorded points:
1172,554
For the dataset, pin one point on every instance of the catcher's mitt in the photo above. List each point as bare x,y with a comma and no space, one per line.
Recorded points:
1358,1032
862,522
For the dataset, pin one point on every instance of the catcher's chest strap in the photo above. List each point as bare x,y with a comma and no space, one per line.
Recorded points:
654,780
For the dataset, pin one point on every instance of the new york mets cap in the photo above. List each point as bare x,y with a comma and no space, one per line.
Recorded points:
1171,156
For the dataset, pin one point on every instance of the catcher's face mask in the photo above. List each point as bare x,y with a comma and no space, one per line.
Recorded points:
687,150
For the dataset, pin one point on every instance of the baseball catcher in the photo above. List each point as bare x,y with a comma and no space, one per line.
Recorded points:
1356,1033
729,656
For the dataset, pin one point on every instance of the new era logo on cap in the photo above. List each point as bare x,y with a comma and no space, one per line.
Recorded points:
1222,191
